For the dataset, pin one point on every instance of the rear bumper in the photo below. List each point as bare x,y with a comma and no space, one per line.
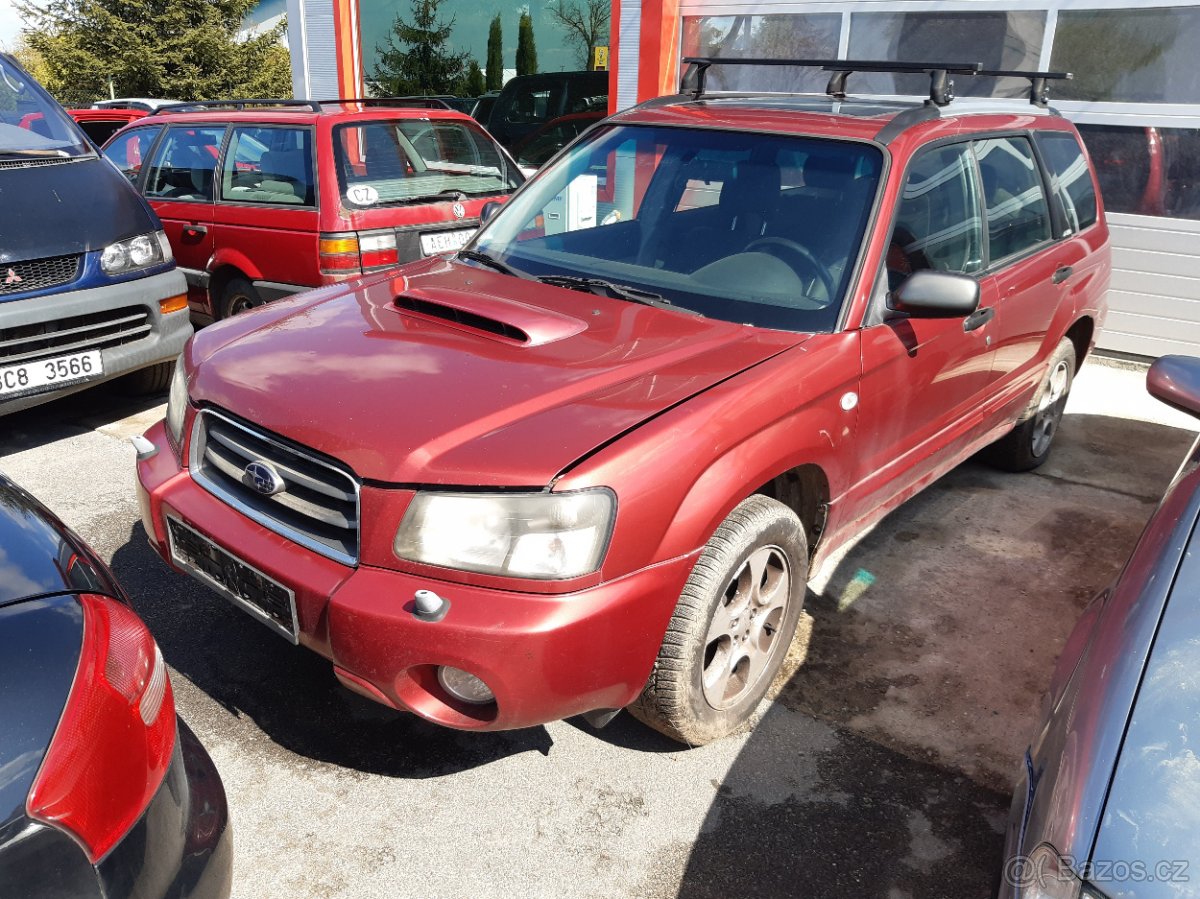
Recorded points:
183,844
168,333
545,657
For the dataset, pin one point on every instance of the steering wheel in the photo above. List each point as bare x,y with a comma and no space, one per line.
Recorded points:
810,270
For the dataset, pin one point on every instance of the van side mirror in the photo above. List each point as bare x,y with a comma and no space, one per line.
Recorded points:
1175,380
928,294
489,209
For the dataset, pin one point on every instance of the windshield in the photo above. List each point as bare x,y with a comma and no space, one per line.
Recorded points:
31,124
759,229
415,160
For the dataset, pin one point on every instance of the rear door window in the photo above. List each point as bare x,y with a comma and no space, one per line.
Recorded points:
184,164
269,165
1018,217
129,151
1070,178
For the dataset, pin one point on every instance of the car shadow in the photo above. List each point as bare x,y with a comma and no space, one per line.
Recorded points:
288,692
92,409
884,765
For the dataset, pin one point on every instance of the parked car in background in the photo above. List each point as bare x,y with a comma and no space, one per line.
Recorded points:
101,123
535,150
88,285
103,791
528,102
1105,802
589,461
266,198
482,108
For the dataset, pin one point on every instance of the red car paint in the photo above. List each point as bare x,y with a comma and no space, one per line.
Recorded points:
274,246
681,417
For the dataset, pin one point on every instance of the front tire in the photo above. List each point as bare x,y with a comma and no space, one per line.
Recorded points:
732,625
147,381
1028,444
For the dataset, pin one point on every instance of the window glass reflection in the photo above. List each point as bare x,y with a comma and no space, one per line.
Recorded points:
764,37
1146,171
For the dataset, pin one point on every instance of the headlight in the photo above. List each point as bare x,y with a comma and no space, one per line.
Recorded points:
177,401
548,536
1042,875
135,253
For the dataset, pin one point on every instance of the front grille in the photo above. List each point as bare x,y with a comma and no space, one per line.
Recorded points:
317,506
38,274
76,333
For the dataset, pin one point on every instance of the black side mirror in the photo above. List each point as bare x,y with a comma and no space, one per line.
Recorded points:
489,209
927,294
1176,381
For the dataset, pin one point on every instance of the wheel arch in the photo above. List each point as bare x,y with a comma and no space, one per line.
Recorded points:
1080,334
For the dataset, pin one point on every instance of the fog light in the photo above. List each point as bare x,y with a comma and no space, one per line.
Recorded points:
462,685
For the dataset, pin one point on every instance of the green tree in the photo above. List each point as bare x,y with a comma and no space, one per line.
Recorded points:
526,49
495,56
416,58
177,49
586,26
475,84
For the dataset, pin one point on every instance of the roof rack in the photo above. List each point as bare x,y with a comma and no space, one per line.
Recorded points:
412,101
235,104
941,85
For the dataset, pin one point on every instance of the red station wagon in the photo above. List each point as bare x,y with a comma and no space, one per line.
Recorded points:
264,198
589,462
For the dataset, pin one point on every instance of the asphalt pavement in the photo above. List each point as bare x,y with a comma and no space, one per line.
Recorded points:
881,768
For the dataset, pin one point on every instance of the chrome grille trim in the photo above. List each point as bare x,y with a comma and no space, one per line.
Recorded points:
93,331
320,508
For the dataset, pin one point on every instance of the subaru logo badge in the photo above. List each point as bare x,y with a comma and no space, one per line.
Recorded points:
459,210
263,478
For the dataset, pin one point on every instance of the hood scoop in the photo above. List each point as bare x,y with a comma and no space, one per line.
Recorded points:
509,320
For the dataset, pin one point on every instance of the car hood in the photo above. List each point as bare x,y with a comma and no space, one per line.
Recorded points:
86,193
437,375
1152,815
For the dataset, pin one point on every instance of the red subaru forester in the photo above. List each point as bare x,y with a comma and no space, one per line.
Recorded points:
589,461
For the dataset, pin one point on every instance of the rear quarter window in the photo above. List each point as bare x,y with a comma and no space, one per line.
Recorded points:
1070,178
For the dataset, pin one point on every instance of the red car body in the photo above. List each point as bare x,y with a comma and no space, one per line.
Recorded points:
680,417
276,247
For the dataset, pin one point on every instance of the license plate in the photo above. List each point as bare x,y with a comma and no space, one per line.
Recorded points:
242,584
445,241
46,374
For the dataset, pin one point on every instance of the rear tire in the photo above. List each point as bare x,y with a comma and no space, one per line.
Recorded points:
1028,444
147,381
732,626
238,295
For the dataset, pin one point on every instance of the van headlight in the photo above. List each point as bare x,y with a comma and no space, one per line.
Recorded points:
547,536
177,401
136,253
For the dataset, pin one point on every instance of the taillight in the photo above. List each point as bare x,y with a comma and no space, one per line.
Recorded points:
114,741
351,253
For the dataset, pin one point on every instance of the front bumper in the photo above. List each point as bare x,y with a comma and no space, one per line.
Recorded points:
545,657
168,333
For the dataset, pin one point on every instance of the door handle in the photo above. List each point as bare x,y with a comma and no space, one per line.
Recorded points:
194,231
979,318
1062,274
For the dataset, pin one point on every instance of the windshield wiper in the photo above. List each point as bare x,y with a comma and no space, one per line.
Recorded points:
452,194
491,262
36,154
600,287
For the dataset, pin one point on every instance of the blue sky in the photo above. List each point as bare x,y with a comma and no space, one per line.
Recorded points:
10,24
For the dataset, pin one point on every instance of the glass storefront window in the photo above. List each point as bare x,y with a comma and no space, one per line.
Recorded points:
1129,55
999,40
1146,171
764,37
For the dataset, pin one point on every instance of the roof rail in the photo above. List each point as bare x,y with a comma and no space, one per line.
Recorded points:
417,102
941,85
235,104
